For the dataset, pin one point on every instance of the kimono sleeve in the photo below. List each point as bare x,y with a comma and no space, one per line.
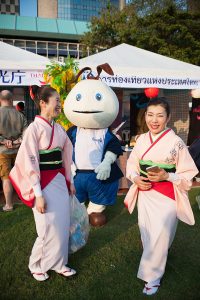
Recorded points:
185,166
133,167
114,146
28,156
67,158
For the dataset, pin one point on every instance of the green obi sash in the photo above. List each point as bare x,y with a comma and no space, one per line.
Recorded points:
148,163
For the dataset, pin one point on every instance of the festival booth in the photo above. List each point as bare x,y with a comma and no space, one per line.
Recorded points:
18,70
19,67
136,70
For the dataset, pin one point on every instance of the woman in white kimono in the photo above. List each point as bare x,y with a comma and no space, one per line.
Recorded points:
161,191
42,179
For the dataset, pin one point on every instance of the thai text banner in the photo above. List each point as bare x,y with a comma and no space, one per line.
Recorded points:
149,81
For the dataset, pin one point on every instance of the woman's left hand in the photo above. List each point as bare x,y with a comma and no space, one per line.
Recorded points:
72,190
158,176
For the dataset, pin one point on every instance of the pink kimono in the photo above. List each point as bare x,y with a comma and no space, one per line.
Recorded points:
45,158
161,206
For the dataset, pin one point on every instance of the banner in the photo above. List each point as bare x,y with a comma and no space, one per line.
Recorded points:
136,81
21,77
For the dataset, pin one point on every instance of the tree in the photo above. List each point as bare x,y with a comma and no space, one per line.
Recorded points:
111,28
61,77
193,6
146,7
171,32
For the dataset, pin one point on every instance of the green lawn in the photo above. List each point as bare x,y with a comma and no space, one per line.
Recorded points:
106,267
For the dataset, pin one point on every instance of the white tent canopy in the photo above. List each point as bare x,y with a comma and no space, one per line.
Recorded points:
20,67
137,68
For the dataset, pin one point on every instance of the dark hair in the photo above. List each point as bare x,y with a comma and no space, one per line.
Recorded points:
20,105
160,101
41,93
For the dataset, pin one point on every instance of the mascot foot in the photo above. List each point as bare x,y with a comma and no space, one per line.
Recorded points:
97,219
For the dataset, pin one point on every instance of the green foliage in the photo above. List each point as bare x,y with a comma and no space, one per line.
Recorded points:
146,7
170,31
61,77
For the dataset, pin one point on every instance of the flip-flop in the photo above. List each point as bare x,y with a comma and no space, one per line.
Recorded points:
40,276
67,273
150,290
6,209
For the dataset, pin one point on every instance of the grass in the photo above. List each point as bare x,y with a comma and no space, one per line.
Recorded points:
107,266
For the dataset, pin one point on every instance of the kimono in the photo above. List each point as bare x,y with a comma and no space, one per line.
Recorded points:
160,207
45,158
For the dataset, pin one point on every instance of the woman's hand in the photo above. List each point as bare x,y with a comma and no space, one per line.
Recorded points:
141,183
72,190
8,144
41,204
158,176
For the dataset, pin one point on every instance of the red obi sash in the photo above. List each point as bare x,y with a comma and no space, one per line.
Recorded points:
46,176
164,187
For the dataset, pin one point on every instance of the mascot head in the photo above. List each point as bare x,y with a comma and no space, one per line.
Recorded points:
92,103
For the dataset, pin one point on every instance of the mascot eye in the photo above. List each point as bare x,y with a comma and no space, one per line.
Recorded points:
78,97
98,96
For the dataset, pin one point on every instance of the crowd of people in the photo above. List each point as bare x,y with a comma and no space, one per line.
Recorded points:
160,169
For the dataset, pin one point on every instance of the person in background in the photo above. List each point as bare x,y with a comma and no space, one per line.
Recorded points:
43,181
12,127
161,170
20,107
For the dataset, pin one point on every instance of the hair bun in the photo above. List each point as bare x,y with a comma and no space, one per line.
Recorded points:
33,90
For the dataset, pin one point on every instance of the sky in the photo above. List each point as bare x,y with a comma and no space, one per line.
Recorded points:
28,8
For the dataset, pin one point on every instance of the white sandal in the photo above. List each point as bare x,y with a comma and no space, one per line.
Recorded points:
67,273
40,276
150,290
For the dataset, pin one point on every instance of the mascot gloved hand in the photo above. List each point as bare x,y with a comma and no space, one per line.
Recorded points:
92,106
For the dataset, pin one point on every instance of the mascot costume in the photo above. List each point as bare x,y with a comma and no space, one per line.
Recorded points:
92,106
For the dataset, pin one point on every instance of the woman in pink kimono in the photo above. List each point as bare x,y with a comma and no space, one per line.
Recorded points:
161,170
42,179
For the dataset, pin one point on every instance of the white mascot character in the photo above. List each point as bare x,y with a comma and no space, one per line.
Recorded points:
92,106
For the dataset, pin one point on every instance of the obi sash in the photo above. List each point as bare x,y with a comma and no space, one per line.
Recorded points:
50,165
164,187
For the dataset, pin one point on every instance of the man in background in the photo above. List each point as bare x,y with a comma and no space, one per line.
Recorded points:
12,127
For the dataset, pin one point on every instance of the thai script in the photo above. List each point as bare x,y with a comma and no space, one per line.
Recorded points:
150,80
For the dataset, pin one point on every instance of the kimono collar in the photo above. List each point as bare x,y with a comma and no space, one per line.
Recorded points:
153,138
45,120
156,141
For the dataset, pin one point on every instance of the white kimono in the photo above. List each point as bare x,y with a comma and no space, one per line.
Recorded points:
161,206
50,251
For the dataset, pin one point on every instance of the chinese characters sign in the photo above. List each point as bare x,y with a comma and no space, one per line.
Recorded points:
18,77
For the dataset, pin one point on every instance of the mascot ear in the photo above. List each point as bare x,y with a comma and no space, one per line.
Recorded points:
106,67
81,71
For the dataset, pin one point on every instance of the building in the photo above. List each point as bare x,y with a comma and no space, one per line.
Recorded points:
61,9
52,28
